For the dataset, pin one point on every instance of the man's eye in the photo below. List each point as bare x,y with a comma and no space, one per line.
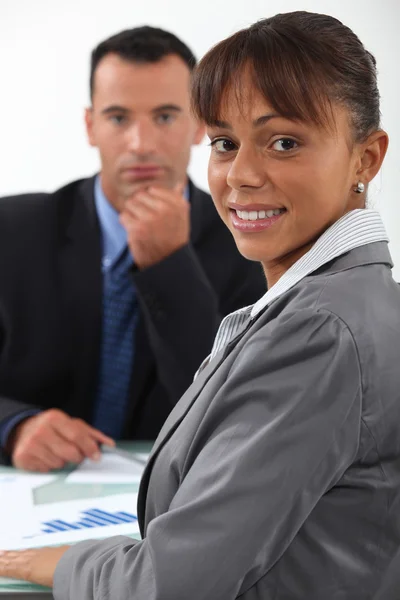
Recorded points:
284,144
165,118
223,145
117,119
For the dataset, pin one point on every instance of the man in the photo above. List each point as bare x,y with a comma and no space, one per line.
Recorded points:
112,288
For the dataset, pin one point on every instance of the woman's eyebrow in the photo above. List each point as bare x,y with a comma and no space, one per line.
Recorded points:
256,123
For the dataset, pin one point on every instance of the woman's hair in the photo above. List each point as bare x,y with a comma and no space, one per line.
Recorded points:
302,63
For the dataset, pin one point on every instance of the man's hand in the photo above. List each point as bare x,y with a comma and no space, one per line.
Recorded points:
157,221
37,566
51,439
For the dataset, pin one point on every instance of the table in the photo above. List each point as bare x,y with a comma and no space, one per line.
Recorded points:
57,491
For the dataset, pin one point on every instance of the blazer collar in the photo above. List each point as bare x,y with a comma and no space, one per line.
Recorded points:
375,253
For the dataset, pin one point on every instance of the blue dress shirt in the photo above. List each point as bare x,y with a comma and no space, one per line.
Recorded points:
113,235
114,242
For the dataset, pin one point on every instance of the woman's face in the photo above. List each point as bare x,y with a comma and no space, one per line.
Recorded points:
277,183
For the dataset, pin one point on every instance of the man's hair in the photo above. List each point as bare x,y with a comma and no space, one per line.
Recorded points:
301,63
141,45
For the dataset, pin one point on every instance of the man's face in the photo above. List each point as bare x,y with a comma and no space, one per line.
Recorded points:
141,123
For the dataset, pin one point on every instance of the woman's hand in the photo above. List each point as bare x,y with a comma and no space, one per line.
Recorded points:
37,566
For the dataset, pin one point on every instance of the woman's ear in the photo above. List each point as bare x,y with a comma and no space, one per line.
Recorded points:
372,153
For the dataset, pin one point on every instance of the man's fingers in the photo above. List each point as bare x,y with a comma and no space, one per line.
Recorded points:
169,195
101,437
63,449
88,447
33,455
84,439
144,204
139,211
30,464
179,188
53,439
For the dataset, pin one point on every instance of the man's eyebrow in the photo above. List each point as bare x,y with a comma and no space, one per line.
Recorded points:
122,109
166,107
256,123
114,108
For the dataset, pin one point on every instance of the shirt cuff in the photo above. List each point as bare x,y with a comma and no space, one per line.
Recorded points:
7,425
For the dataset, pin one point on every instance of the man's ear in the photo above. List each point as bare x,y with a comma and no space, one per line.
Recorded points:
200,132
89,126
373,152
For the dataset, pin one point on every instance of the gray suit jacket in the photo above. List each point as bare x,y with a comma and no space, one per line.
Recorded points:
277,475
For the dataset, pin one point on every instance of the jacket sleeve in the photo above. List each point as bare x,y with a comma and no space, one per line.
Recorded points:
12,412
280,432
182,312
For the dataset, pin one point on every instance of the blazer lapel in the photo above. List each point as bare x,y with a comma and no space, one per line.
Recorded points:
178,414
196,213
143,368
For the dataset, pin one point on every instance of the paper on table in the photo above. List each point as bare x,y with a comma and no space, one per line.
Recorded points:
111,468
143,455
74,521
30,480
86,519
16,506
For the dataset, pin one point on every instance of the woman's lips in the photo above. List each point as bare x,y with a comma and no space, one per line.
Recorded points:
254,226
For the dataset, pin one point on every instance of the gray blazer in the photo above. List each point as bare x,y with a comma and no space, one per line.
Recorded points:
277,475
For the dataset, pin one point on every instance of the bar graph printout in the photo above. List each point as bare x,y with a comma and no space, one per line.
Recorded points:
73,521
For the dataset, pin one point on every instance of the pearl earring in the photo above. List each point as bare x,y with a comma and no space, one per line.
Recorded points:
359,188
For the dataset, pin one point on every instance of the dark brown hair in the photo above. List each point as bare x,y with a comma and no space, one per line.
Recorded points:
141,45
301,63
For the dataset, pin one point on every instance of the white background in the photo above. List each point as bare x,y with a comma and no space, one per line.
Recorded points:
44,68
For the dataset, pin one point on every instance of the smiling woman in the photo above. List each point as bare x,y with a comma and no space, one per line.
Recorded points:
292,109
277,476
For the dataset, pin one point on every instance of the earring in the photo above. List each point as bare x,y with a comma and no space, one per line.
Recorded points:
359,188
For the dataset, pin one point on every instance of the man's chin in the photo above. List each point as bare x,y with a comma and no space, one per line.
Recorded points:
133,187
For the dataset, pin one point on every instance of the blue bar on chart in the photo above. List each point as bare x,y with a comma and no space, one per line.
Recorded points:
94,517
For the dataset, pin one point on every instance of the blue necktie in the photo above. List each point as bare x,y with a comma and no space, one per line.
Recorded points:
116,358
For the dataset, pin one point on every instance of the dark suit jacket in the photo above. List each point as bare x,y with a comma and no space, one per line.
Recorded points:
51,302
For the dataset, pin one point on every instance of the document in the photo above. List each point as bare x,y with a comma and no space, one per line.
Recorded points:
73,521
15,507
29,480
61,523
111,468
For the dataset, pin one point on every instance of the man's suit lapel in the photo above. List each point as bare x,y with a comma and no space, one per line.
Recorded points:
81,279
197,224
143,369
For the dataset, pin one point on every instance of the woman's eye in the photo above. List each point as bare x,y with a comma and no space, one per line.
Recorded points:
223,145
284,144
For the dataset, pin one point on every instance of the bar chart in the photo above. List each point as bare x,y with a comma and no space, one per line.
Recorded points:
92,517
72,521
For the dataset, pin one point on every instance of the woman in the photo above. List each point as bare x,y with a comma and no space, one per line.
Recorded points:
278,474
